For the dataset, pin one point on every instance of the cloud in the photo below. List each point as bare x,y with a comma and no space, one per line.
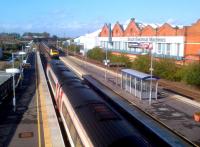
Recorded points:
171,21
55,22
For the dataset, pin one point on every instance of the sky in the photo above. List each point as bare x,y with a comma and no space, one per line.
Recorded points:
72,18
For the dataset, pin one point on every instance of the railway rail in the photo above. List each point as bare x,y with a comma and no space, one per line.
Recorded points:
134,121
81,58
174,87
180,89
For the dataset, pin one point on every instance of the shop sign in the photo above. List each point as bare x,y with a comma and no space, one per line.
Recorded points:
143,45
147,39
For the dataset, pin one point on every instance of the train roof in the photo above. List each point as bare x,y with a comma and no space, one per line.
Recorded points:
52,47
102,123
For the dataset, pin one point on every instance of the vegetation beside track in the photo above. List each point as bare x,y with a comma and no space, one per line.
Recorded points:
164,68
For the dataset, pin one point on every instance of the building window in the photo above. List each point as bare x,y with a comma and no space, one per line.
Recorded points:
163,48
106,44
168,49
117,45
159,48
178,49
101,43
114,45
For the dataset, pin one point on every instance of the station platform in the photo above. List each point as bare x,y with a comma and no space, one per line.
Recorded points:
34,123
173,111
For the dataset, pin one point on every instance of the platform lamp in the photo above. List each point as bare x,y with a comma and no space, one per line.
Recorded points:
151,68
13,71
109,42
22,53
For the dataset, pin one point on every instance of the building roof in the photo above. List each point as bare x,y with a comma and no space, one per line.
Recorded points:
140,75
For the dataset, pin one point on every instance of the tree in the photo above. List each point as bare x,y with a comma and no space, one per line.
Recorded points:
74,48
142,63
121,59
166,68
191,74
96,54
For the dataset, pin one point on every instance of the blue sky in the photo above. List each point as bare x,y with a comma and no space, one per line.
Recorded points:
77,17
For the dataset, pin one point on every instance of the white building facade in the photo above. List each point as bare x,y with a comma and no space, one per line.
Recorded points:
163,46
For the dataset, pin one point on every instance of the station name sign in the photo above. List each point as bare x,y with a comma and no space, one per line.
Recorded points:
147,39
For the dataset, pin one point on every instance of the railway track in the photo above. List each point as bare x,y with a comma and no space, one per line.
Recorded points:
123,111
167,85
180,89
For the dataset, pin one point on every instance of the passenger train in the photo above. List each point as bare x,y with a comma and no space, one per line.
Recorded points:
88,120
50,50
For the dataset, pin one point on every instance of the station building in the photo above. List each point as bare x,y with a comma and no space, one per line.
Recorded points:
180,43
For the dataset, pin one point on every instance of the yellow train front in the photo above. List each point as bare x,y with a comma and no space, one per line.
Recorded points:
54,53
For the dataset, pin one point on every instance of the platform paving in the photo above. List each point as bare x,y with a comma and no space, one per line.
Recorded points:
34,123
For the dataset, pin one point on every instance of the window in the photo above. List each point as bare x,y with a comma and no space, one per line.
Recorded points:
168,49
78,142
75,137
114,45
101,43
52,81
66,116
159,48
125,45
73,133
163,48
117,45
178,49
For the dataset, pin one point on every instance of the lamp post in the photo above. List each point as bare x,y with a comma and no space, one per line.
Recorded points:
106,63
151,70
13,71
21,53
109,42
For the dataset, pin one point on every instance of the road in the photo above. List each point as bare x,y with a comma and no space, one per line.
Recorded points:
172,112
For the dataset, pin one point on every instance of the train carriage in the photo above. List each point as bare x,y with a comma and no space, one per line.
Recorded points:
88,119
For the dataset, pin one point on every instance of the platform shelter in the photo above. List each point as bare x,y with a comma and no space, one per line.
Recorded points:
138,84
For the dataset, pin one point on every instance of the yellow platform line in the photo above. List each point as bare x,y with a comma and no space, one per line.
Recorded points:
47,138
37,101
44,116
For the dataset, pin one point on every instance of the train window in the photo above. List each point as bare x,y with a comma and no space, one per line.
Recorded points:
78,142
73,132
52,81
66,116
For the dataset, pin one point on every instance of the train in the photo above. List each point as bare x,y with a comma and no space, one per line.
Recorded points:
52,51
87,118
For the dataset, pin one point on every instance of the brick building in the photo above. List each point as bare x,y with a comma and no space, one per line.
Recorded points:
180,43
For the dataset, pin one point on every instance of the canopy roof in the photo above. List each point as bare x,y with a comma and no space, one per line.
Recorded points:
140,75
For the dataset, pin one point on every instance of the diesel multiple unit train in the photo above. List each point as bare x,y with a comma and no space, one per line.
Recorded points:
88,119
49,50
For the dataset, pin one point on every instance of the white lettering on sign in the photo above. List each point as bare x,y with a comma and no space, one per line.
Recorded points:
147,39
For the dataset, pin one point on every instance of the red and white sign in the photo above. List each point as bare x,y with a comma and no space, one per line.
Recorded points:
146,46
